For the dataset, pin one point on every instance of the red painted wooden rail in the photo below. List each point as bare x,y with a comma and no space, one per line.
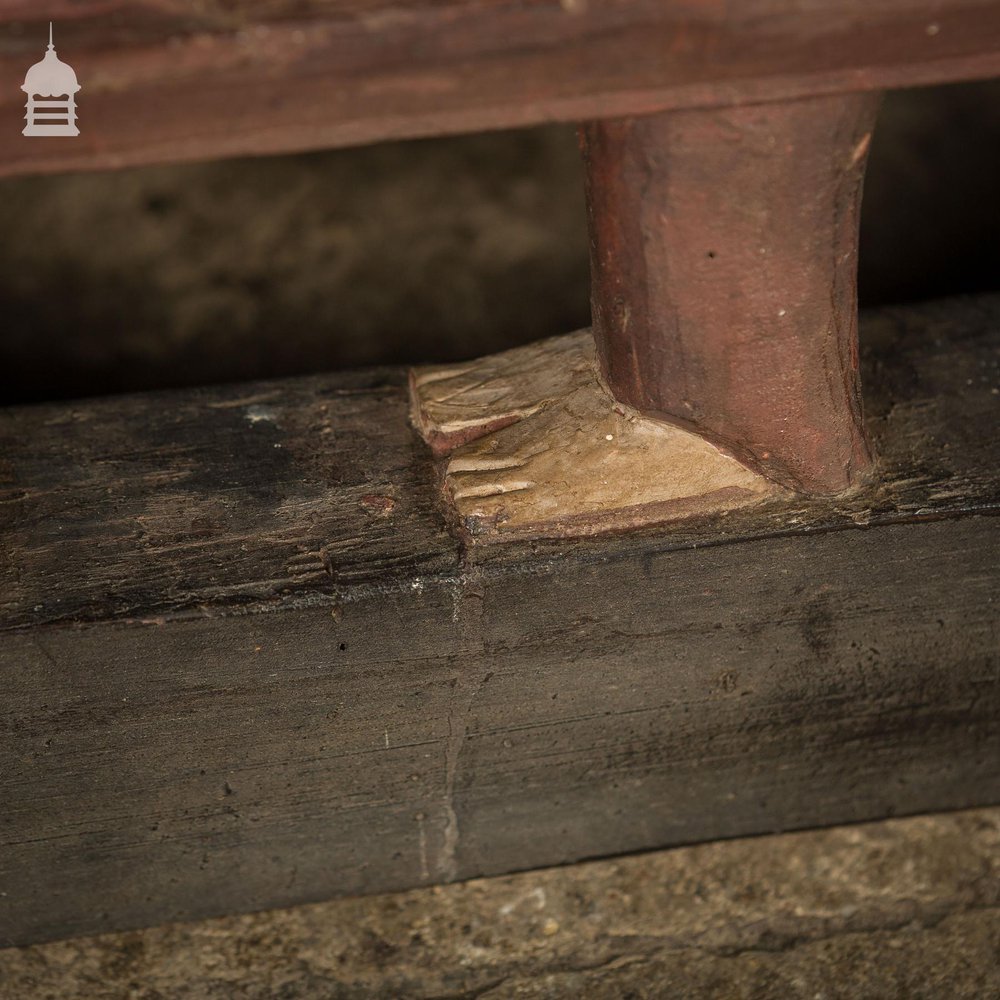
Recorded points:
178,81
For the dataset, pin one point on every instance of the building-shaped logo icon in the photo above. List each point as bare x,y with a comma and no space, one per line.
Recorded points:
51,78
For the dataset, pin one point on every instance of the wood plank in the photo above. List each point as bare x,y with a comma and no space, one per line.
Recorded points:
246,666
179,81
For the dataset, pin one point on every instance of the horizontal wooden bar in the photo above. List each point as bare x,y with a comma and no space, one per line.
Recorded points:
183,82
246,665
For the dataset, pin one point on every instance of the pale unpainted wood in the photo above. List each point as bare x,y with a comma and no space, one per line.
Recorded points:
537,447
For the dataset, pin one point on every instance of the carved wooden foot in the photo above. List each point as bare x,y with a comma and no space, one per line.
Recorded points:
537,446
723,264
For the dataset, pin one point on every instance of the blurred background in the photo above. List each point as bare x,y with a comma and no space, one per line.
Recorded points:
413,251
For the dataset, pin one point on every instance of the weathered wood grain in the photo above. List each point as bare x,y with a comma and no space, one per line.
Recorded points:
179,81
244,663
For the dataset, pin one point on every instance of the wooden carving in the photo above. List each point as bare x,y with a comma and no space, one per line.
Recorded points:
723,263
536,444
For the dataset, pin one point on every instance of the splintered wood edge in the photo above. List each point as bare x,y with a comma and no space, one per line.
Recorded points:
485,529
533,445
451,405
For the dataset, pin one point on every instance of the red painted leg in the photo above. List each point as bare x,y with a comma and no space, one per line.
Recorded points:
724,261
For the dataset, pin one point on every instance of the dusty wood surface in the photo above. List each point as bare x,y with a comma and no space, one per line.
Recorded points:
183,81
724,259
538,448
900,908
246,665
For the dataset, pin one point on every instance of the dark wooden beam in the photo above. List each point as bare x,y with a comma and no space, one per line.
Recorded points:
245,664
179,82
